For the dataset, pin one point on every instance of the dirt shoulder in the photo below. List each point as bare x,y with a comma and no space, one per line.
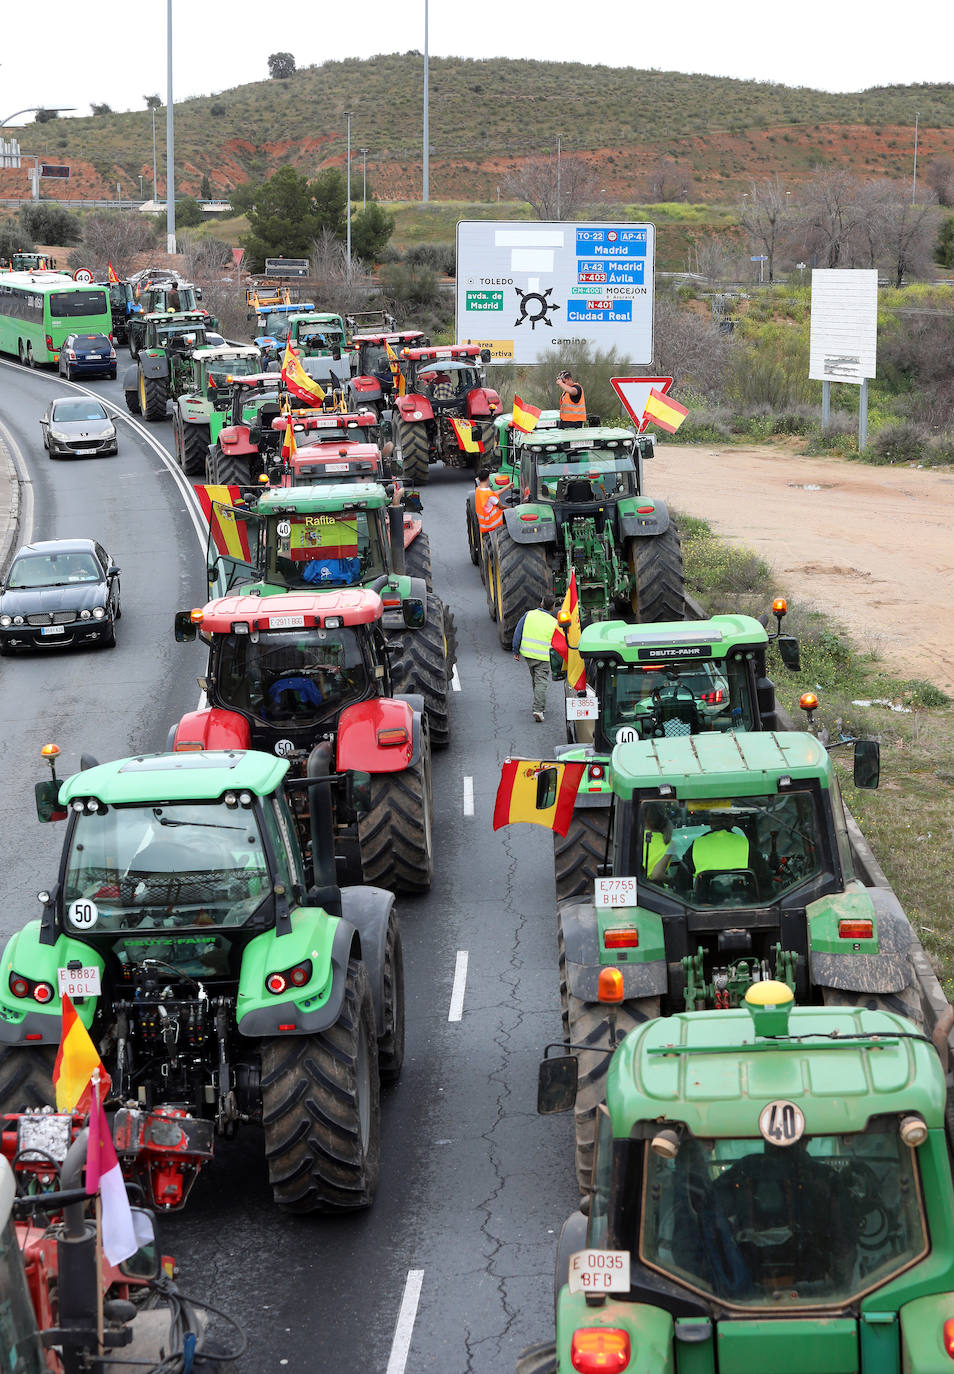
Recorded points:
871,546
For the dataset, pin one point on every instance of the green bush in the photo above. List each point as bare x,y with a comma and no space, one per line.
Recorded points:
14,239
898,443
439,257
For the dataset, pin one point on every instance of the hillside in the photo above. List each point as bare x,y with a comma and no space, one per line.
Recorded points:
486,115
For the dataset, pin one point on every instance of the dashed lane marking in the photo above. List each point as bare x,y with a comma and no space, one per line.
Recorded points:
460,985
404,1330
468,796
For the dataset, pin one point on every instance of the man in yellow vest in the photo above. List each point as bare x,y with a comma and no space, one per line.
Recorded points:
572,402
531,641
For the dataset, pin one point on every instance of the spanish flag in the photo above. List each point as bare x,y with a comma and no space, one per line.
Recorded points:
566,637
76,1060
111,273
229,535
289,443
525,416
667,413
297,380
465,436
523,796
396,372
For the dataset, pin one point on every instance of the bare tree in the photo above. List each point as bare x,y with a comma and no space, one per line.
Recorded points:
717,258
115,236
910,235
329,266
691,349
667,181
939,175
831,210
767,218
555,188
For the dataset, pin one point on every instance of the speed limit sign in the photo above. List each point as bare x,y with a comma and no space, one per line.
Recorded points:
83,274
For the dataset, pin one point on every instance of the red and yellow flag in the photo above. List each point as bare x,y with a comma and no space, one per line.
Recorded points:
465,436
566,637
525,416
289,442
396,372
522,797
111,273
229,535
667,413
297,380
76,1060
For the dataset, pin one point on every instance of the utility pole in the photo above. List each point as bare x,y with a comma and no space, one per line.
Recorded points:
348,114
914,179
364,185
426,195
559,170
154,191
170,147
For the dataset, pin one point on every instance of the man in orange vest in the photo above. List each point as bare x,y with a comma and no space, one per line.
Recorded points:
572,402
487,506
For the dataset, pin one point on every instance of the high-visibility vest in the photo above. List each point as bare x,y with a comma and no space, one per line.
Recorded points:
573,411
720,851
537,635
487,507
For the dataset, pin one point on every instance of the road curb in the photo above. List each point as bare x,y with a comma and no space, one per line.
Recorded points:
9,519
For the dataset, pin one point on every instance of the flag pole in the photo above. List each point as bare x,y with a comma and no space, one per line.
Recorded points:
99,1226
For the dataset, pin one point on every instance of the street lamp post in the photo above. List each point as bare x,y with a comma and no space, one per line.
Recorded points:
914,178
35,109
426,192
170,144
154,182
364,183
348,114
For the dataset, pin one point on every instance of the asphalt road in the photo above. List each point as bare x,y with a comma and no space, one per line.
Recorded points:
451,1270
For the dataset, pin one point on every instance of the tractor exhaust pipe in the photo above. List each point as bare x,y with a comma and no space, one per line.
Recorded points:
396,530
326,892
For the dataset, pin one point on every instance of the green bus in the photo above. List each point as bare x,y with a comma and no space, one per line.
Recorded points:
38,311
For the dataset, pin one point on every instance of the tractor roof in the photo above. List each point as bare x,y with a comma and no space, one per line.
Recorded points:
674,640
315,316
402,337
448,351
150,778
670,1070
330,498
549,419
567,439
719,765
178,317
293,610
350,423
352,456
219,352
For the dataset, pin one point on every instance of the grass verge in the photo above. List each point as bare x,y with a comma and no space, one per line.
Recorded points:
909,820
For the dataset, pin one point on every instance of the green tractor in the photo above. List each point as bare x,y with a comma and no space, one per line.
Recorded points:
731,863
771,1190
205,373
163,297
162,368
336,535
577,503
222,973
656,682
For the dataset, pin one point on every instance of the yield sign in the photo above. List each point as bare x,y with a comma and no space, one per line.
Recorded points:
634,393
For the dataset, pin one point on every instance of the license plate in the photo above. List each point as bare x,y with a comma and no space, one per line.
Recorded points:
582,708
614,892
52,630
286,622
93,357
599,1271
79,982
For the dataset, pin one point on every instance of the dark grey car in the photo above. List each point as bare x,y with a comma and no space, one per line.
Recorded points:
59,591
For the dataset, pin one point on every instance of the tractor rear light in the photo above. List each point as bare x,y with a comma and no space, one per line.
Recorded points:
275,982
296,977
597,1349
333,622
947,1336
20,987
624,937
36,1035
856,930
43,993
197,615
393,737
288,1026
609,988
390,602
596,771
187,746
531,516
712,698
645,510
300,974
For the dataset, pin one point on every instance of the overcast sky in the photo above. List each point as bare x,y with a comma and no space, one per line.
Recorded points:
115,51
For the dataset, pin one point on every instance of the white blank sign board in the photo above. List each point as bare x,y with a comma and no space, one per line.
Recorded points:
844,330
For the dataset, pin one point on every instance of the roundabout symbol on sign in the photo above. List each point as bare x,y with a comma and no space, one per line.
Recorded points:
83,274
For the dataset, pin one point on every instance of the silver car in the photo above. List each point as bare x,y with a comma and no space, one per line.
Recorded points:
77,427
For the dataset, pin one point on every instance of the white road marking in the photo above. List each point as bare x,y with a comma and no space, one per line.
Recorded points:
460,984
404,1330
455,680
468,796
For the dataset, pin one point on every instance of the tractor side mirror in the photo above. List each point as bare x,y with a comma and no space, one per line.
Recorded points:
47,795
412,501
144,1262
198,293
185,627
867,769
547,782
789,649
556,1084
485,355
414,615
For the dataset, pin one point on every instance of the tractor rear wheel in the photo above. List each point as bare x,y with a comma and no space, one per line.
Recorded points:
904,1003
517,578
486,434
659,590
473,532
395,835
233,469
577,854
132,402
588,1025
321,1109
152,397
538,1359
195,445
414,452
26,1077
417,560
425,665
391,1039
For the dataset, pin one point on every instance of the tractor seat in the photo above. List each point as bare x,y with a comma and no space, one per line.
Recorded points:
575,490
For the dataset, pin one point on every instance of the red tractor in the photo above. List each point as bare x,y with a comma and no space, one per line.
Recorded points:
441,385
288,671
374,383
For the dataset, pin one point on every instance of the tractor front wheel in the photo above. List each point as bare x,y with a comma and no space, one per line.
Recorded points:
192,444
588,1025
658,586
473,532
538,1359
26,1077
153,393
417,560
132,402
577,854
233,469
395,835
425,664
321,1109
414,452
391,1039
517,579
